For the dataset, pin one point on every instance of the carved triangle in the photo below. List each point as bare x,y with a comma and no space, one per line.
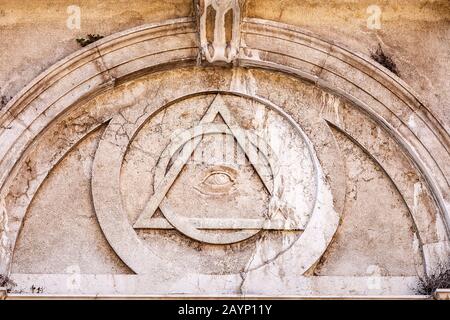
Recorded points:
218,108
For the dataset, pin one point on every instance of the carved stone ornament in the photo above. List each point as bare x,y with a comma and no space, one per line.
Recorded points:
219,23
218,180
300,169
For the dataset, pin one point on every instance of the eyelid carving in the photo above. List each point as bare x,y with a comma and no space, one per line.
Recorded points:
218,180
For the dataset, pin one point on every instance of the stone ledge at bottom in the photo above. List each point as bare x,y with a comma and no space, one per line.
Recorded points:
2,293
206,297
442,294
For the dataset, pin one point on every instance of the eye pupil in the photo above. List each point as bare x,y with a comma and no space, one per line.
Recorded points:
218,179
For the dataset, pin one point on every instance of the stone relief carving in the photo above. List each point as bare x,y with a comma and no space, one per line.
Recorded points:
219,24
296,212
213,191
218,181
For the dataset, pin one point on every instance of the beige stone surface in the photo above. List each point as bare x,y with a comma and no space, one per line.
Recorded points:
192,155
416,33
442,294
39,29
374,211
362,246
61,230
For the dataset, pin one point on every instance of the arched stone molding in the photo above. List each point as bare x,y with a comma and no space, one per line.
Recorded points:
384,99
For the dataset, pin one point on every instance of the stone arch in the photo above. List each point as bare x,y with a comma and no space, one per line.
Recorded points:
383,98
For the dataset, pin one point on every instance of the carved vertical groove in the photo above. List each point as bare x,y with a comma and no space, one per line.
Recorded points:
219,49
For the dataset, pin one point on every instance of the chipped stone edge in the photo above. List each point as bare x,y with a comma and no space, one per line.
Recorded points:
442,294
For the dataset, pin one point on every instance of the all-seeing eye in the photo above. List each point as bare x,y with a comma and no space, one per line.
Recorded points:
218,180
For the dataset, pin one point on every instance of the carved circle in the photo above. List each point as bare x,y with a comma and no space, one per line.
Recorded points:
183,225
308,246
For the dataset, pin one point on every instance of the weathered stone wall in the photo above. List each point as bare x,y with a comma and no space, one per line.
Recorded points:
353,181
416,33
